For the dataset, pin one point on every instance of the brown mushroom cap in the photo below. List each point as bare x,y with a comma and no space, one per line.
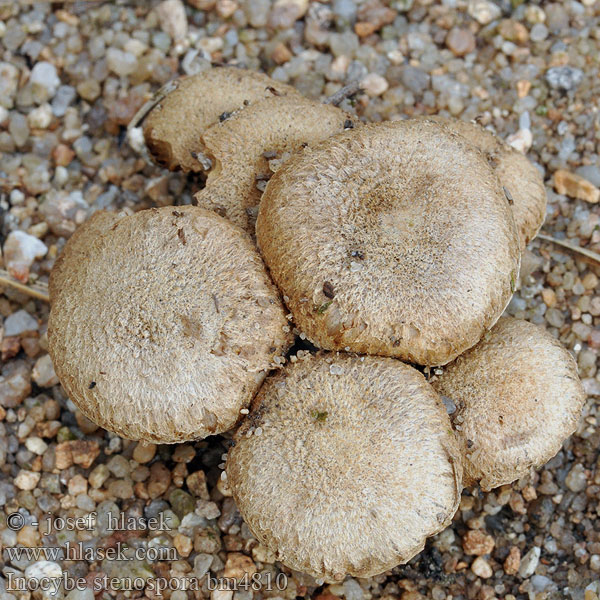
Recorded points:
237,145
518,397
346,465
393,239
172,129
163,325
523,183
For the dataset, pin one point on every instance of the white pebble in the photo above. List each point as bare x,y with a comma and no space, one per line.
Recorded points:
20,250
336,370
530,562
44,74
374,85
40,117
19,322
36,445
521,140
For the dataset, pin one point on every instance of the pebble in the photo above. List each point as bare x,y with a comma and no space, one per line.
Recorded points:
541,583
460,41
372,16
529,562
27,480
98,476
477,542
226,8
144,452
20,251
20,322
172,18
564,78
513,561
160,478
43,372
281,54
15,385
118,465
202,563
18,127
514,31
183,545
196,483
374,85
77,485
181,502
521,140
576,186
121,63
483,11
44,74
9,80
237,565
482,568
44,570
89,89
40,117
65,95
121,488
555,317
345,12
539,32
81,594
286,12
36,445
576,479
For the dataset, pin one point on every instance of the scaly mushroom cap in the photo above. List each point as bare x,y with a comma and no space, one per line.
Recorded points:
523,183
237,145
392,239
163,324
518,397
346,465
173,128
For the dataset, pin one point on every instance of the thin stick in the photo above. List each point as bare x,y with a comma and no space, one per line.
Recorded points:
346,92
577,249
35,290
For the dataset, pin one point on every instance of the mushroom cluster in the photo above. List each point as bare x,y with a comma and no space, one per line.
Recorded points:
394,247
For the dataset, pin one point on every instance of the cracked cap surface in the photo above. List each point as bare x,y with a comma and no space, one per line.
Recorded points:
393,239
518,398
346,465
173,128
517,174
163,324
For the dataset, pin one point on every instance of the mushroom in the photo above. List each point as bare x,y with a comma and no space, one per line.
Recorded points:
518,398
392,239
346,465
237,147
163,324
522,182
174,121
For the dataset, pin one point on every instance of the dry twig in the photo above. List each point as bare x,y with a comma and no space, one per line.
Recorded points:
35,290
590,254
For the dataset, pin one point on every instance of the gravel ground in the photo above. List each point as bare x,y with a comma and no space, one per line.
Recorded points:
72,76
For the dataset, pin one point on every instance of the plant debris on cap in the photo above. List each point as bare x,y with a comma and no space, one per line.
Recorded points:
237,145
518,398
522,182
172,129
346,465
392,239
163,325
